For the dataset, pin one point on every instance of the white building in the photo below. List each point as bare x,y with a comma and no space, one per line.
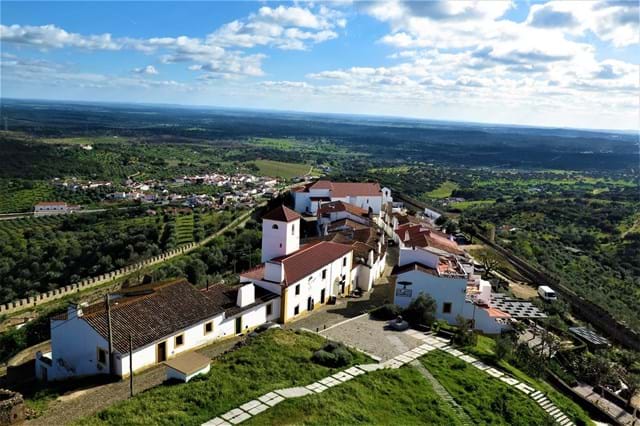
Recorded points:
367,196
304,277
161,319
334,213
46,208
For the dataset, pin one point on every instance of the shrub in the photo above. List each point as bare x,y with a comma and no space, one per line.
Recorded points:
333,354
386,312
421,311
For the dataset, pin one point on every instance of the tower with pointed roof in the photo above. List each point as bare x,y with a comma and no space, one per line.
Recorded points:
280,233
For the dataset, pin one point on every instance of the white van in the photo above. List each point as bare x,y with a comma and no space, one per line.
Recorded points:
547,293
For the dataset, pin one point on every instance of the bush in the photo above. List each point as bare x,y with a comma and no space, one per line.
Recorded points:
386,312
333,354
421,311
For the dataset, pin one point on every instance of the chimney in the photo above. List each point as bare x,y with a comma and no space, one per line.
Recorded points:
246,295
74,310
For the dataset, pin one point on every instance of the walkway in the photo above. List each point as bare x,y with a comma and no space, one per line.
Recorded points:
429,343
620,415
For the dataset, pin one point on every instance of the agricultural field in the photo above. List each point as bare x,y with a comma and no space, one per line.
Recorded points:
17,196
281,169
443,191
276,359
184,229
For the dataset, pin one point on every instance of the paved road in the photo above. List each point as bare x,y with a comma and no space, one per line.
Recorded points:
84,402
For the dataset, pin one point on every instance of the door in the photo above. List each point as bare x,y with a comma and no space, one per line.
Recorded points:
238,325
322,296
310,304
162,351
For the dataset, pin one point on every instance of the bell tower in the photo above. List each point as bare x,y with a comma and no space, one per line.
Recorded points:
280,233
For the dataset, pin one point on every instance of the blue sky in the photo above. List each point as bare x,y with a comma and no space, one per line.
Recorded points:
556,63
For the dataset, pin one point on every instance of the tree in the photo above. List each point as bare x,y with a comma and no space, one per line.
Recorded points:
421,310
441,220
451,227
504,347
490,261
465,336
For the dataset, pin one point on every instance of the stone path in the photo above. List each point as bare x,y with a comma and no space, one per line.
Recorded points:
539,397
429,343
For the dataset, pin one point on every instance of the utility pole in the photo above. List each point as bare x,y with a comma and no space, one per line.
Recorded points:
130,365
110,334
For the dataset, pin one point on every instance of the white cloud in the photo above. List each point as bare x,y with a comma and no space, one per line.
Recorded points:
149,70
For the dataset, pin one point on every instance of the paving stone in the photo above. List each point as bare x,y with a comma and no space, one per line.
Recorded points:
565,422
509,380
249,405
354,371
468,358
550,408
277,400
216,421
296,392
240,418
525,388
480,365
231,414
319,388
427,347
258,409
555,411
329,382
546,404
442,339
342,376
370,367
403,358
268,396
494,373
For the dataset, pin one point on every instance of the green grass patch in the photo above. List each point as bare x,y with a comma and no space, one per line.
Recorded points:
443,191
485,350
282,170
466,205
486,400
184,229
383,397
276,359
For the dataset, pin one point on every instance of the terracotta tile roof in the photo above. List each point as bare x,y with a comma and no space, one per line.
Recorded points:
450,270
416,235
282,214
340,206
496,313
344,189
346,223
310,259
160,312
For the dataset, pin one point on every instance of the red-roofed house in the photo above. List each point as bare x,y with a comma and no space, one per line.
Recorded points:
303,277
365,195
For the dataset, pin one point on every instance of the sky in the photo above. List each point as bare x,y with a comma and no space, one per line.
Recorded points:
556,63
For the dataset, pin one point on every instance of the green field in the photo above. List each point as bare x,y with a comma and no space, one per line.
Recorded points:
383,397
443,191
21,199
184,229
274,360
464,205
282,170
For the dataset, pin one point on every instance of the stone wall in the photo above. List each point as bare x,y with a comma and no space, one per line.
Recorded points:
11,407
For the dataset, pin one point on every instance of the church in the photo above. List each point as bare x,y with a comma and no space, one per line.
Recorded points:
304,277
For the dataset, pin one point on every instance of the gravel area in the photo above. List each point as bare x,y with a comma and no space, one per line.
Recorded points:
372,337
81,403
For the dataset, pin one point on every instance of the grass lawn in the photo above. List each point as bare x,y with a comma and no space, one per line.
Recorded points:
383,397
443,191
276,359
485,350
280,169
464,205
486,400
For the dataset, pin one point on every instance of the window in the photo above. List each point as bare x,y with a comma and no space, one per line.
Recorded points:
296,310
324,274
293,229
179,340
344,261
275,226
208,327
269,309
102,356
298,289
446,308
